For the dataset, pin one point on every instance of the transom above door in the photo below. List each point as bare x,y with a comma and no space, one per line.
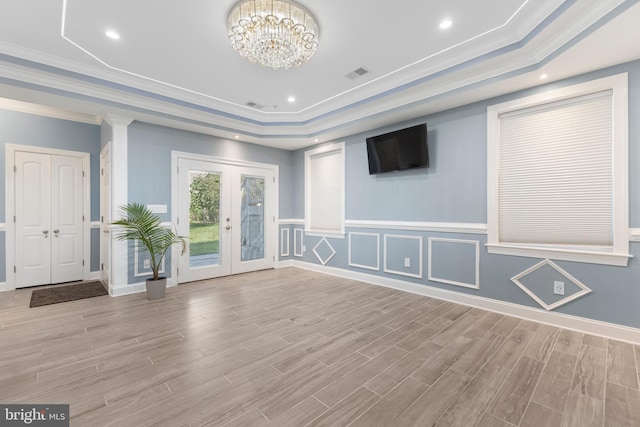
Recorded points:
228,211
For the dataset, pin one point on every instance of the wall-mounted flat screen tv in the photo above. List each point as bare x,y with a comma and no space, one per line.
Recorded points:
399,150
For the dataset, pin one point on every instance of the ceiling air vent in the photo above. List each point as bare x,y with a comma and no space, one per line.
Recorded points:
357,73
255,105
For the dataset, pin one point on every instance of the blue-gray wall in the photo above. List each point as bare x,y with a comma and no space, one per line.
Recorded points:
30,129
454,190
33,130
149,164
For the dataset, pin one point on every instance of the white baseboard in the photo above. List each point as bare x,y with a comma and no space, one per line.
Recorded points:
132,288
95,275
581,324
285,263
3,287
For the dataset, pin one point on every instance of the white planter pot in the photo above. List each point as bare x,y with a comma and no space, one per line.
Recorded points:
156,288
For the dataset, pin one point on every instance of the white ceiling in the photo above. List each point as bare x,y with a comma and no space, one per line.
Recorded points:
174,65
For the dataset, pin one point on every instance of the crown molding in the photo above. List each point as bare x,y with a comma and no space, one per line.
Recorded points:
389,100
43,110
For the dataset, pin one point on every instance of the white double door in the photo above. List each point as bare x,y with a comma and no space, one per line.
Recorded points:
228,212
48,218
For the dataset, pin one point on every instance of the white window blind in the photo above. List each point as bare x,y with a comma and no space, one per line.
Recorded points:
558,173
555,173
325,189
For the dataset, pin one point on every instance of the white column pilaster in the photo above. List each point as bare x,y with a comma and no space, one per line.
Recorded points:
119,197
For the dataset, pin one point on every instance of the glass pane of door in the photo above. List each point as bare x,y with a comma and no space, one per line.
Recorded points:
252,218
204,219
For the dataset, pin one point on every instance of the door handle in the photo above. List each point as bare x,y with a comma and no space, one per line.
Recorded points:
56,231
228,227
46,233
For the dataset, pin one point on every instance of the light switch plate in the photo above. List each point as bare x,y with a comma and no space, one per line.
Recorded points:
157,208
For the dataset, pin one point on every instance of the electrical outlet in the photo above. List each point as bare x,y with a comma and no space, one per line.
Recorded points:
558,288
146,263
407,262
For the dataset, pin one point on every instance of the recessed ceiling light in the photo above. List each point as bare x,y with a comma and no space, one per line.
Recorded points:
315,140
446,23
237,137
544,76
291,99
112,34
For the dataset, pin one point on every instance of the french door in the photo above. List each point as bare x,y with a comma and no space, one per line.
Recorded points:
228,213
48,218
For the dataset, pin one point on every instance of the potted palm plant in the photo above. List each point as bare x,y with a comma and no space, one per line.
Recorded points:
143,227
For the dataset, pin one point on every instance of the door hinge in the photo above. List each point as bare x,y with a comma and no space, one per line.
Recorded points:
15,168
102,266
14,218
83,263
178,220
178,271
14,268
274,179
101,218
82,218
274,218
102,171
83,174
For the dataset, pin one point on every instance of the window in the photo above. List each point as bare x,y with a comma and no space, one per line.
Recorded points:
324,190
558,174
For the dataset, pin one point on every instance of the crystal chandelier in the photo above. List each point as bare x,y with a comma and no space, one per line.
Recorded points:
273,33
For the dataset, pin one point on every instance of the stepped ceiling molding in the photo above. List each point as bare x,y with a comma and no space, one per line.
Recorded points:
173,64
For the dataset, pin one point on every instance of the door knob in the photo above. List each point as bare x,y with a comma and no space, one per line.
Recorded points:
228,219
56,232
228,227
46,233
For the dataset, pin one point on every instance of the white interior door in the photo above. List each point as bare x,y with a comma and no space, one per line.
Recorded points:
33,219
66,219
228,212
49,223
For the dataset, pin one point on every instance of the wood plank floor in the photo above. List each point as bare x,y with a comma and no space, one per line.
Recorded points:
290,347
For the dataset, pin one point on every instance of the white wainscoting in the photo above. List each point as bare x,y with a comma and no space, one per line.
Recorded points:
284,242
376,266
431,277
291,221
441,227
298,242
584,289
420,257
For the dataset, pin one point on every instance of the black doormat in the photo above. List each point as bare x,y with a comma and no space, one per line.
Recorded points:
57,294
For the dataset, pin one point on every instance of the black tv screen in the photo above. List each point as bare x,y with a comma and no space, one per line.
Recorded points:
399,150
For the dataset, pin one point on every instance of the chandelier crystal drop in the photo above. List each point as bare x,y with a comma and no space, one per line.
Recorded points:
273,33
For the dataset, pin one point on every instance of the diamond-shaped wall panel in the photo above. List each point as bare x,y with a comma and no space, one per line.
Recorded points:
324,251
538,282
